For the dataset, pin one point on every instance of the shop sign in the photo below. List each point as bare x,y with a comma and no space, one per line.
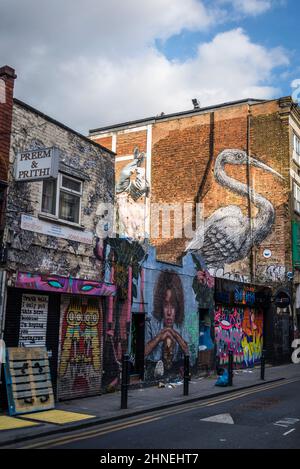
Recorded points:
33,321
53,229
34,165
244,296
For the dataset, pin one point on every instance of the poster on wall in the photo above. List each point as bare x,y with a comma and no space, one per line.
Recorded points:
28,380
80,356
33,321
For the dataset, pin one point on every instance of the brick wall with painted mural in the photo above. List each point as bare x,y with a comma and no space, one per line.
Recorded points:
233,159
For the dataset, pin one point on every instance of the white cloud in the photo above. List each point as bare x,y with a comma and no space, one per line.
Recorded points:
227,68
94,63
250,7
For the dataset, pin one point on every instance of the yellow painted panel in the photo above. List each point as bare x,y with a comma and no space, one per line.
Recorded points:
59,417
11,423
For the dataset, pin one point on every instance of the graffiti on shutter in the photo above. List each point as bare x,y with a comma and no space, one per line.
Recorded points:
80,357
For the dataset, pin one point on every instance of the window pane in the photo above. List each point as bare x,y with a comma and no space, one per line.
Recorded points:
69,207
71,184
297,144
49,196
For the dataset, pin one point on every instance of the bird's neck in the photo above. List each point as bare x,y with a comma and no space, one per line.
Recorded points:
266,214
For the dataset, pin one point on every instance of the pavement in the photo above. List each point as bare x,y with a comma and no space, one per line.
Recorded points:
106,408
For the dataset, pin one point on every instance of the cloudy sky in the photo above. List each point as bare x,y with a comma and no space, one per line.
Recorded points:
91,63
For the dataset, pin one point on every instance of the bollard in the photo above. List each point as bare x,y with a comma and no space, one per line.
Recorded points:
124,383
262,365
186,375
230,368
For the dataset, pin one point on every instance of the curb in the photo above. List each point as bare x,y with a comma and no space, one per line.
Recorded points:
100,421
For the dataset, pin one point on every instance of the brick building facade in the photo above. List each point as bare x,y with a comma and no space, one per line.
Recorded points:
241,162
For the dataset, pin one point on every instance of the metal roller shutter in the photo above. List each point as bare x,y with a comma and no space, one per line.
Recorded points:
80,349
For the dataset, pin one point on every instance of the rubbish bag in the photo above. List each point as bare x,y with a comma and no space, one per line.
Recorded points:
223,379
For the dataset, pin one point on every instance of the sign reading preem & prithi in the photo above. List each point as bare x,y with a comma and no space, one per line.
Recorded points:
33,165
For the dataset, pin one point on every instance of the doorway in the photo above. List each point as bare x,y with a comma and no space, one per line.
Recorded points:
138,343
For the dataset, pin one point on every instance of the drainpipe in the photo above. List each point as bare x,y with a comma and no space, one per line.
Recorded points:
252,258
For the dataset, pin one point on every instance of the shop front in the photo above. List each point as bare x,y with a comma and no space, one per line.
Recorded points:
241,322
64,315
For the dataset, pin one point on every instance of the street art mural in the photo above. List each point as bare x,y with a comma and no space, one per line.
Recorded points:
80,357
132,189
172,296
203,287
164,340
124,259
228,233
58,284
241,331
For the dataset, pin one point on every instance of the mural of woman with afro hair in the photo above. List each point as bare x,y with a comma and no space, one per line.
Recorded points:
164,341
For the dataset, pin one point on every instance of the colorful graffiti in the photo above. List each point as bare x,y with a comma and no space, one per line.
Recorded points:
191,334
80,363
55,283
239,330
125,259
252,342
164,340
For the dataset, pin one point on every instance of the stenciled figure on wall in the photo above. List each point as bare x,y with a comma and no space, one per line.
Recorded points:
165,346
131,190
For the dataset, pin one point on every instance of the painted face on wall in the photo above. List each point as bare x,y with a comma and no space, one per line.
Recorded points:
169,309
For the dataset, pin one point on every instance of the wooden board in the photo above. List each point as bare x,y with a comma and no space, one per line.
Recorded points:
28,380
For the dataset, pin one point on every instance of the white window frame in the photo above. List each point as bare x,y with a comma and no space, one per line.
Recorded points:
59,188
296,148
296,198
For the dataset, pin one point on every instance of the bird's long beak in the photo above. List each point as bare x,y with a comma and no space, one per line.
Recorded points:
259,164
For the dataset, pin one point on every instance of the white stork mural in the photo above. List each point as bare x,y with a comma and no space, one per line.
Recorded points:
228,234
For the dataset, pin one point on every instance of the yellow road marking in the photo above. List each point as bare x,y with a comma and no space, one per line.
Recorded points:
94,433
59,417
160,414
11,423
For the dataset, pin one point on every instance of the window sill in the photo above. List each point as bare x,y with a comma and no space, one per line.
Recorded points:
53,219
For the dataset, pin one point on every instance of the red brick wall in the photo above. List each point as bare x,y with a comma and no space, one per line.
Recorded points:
7,75
184,152
104,141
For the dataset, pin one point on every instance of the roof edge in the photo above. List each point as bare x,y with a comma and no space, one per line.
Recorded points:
177,114
63,126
